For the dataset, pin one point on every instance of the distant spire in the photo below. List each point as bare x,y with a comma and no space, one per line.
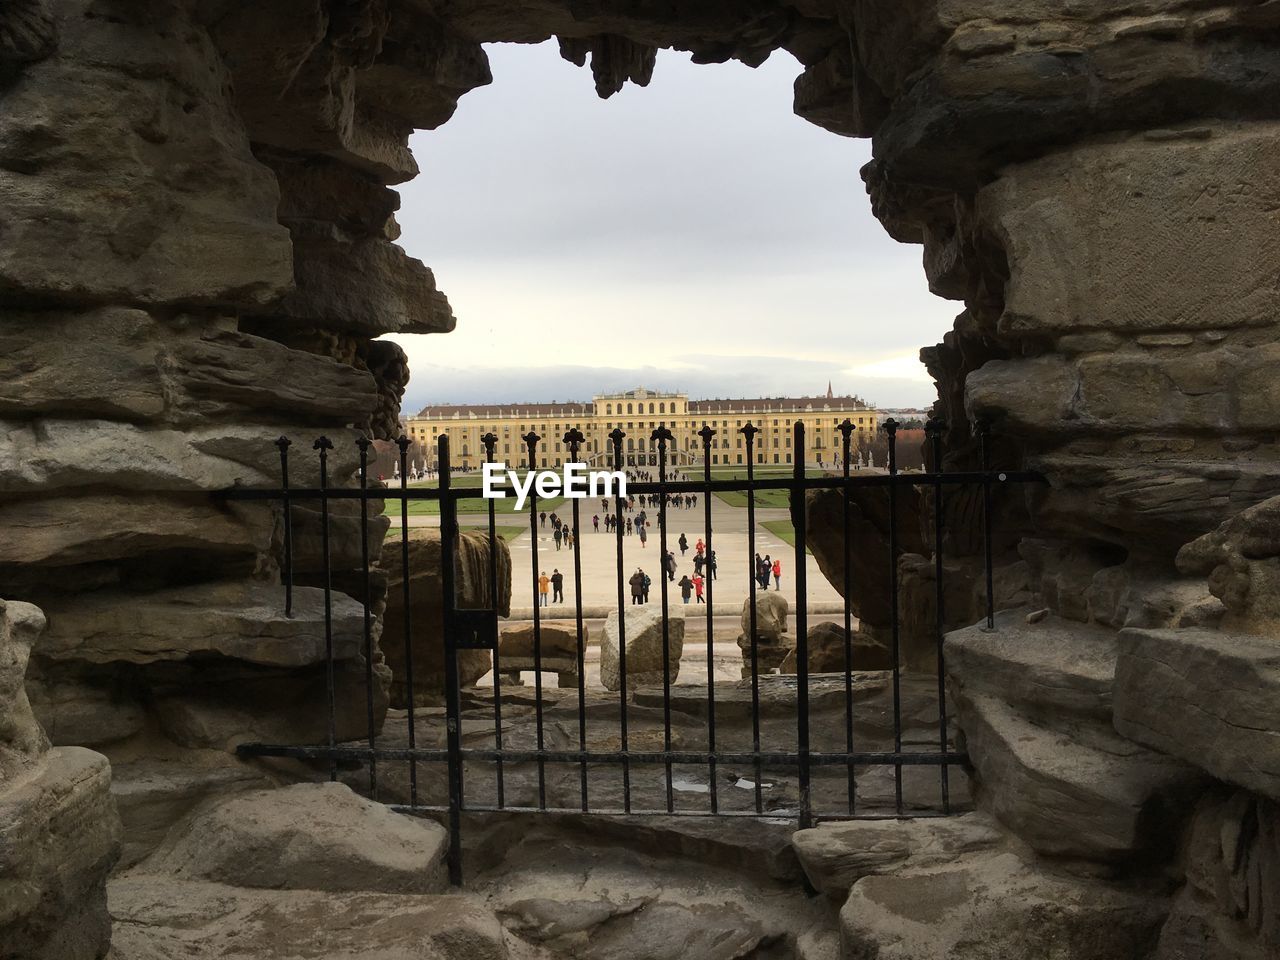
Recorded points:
830,395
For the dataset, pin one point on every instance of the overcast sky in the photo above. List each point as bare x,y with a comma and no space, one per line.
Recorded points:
692,235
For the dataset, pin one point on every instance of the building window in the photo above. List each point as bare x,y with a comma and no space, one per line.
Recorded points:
651,407
739,458
662,408
629,410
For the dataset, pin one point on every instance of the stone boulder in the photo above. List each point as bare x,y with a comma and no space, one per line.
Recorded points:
307,836
559,643
826,643
158,918
61,834
1241,558
425,615
643,626
995,906
772,640
1209,697
837,854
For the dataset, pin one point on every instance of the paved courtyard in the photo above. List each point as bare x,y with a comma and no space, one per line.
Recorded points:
600,564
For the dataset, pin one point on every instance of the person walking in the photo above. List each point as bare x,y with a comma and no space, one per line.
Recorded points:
557,536
684,544
711,565
595,522
669,564
628,526
777,574
543,517
697,587
686,588
646,583
557,586
644,537
700,547
637,587
766,568
544,587
698,561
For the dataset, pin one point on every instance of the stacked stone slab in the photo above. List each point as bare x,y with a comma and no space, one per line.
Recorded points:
60,831
555,643
642,634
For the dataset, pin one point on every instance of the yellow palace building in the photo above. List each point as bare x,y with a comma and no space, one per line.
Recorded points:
638,413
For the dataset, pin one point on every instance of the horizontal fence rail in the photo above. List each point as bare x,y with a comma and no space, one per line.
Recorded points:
474,744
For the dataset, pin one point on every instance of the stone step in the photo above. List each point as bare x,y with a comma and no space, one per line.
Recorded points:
1046,669
1209,697
1082,792
836,855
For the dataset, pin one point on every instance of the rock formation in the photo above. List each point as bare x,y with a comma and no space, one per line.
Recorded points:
772,641
61,834
198,256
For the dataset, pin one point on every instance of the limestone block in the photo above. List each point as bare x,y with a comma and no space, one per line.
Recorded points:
1083,792
1051,668
836,855
994,906
158,917
771,615
127,98
61,838
643,626
309,836
112,351
1209,697
84,704
826,643
366,286
425,616
243,620
1193,248
46,455
88,528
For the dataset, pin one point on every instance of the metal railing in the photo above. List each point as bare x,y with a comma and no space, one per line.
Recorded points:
466,629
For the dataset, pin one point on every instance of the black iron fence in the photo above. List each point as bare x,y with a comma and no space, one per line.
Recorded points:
485,754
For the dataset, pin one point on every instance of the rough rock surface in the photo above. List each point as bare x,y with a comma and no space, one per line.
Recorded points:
558,645
994,906
158,917
305,837
60,831
836,855
1209,697
827,651
425,614
772,640
643,628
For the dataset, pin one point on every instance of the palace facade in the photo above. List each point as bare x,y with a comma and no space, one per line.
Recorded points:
638,413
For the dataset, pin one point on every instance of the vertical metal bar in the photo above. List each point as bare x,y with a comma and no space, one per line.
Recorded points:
706,433
616,436
283,443
662,435
799,525
891,430
449,604
363,443
846,430
573,440
750,431
490,442
531,442
324,445
984,444
934,430
403,443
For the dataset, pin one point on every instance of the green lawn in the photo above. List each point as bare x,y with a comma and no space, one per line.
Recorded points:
784,531
469,481
764,498
505,531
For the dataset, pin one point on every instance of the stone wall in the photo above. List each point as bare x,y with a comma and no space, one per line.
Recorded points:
197,252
